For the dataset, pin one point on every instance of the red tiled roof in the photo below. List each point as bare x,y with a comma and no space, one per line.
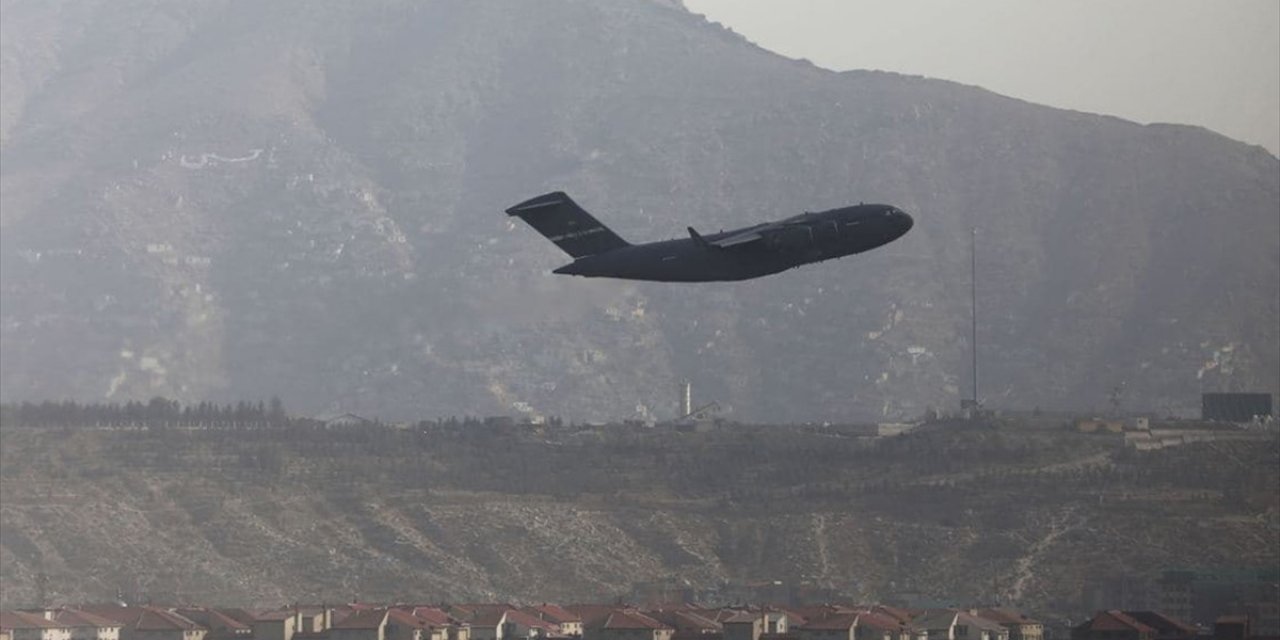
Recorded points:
815,613
835,622
593,615
882,621
476,607
721,614
364,619
520,617
157,619
1115,621
214,619
688,621
434,615
552,612
488,617
979,622
936,619
897,613
741,617
8,621
697,620
481,615
24,620
1164,625
239,615
1005,616
119,613
632,619
402,617
74,618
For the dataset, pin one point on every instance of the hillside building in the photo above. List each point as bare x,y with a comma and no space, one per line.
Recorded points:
365,624
629,624
950,624
312,619
1112,625
1133,625
20,625
220,625
570,623
275,625
1020,626
155,623
839,626
87,626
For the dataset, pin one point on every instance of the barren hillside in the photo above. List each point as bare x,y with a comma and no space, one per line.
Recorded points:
971,512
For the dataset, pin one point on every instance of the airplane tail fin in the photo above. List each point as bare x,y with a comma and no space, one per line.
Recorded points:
563,222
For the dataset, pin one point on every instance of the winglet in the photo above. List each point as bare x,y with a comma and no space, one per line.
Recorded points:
698,239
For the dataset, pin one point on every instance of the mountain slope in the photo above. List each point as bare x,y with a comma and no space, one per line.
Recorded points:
1032,516
226,201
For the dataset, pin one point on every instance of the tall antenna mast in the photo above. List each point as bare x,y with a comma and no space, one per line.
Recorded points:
973,300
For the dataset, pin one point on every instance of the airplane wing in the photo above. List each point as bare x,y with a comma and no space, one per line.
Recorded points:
737,239
746,236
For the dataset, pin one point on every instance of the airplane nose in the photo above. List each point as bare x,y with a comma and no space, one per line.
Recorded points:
904,222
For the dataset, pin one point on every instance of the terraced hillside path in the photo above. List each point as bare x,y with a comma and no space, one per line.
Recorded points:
820,536
1025,566
1100,459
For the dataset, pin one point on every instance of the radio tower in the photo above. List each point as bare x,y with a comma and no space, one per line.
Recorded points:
975,403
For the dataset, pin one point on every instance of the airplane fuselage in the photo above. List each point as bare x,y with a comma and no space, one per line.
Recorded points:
802,240
740,254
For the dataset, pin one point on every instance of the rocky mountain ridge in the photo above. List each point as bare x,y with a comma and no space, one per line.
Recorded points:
305,201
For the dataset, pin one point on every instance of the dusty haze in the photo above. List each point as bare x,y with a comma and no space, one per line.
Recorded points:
1215,64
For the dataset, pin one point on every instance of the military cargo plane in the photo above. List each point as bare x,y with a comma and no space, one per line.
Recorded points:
741,254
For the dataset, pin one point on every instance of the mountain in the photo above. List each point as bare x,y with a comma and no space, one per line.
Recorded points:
305,200
1029,513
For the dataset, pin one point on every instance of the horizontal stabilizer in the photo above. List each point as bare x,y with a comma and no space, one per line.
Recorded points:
556,216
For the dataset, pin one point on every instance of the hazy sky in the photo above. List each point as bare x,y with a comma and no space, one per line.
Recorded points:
1210,63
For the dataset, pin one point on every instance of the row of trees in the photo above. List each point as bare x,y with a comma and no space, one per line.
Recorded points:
160,412
156,413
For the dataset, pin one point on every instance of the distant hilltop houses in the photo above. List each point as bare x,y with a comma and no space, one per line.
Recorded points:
499,621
